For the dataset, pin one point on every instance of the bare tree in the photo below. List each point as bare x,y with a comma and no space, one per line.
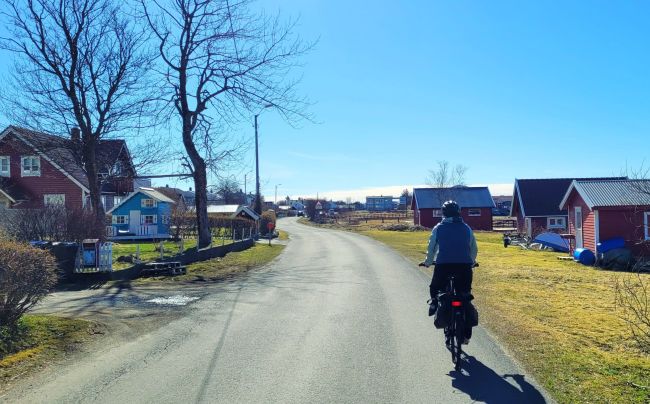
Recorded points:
219,60
633,303
446,177
228,189
80,64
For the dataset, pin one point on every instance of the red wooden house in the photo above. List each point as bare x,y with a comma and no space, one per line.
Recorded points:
536,204
602,210
476,205
39,169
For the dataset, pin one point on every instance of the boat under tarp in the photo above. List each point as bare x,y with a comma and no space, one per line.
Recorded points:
554,241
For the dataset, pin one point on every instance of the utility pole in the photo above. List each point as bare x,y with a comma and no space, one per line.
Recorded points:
258,202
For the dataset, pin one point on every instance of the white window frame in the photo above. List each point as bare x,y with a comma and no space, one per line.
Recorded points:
30,172
437,212
117,200
144,219
47,199
646,225
8,172
556,226
145,203
120,219
473,212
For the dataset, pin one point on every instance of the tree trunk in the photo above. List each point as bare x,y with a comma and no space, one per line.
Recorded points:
94,186
200,186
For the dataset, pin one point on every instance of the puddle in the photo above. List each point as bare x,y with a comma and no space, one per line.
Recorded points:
178,300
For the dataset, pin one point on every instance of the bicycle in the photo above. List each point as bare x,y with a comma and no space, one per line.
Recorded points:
455,329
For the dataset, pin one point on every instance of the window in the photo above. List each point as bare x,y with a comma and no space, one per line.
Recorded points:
117,168
556,223
149,219
437,213
117,200
120,219
30,166
165,219
474,212
646,225
54,199
148,203
5,170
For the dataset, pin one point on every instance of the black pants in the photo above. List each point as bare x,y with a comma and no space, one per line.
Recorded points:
462,279
462,276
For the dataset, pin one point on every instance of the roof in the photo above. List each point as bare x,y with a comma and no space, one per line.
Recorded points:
542,196
466,197
59,151
624,193
233,210
150,192
222,208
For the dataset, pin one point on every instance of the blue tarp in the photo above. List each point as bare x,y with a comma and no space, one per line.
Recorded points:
554,241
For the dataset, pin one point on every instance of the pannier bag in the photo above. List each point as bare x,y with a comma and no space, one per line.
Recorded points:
443,314
471,315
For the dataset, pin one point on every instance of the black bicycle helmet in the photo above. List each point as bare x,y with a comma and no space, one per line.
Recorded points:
450,209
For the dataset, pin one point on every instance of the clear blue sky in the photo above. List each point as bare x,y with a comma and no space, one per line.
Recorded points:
507,88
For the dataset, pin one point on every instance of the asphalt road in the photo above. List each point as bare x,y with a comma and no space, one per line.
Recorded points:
337,318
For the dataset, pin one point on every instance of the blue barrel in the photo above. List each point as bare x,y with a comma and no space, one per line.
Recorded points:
584,256
611,244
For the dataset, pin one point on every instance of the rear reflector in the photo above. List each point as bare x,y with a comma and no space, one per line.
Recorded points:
456,303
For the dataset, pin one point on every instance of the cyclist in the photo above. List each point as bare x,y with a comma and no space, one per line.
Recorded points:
452,247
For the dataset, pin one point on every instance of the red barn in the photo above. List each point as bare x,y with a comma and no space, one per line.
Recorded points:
601,210
476,205
38,169
536,204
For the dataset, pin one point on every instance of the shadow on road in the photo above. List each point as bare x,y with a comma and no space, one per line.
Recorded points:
483,384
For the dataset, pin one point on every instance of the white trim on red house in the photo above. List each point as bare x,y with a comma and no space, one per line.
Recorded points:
7,196
521,204
596,230
556,226
575,185
70,177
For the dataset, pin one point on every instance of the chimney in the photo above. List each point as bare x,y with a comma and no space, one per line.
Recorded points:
75,134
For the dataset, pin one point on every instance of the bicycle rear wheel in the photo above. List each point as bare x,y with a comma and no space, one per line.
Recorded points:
458,338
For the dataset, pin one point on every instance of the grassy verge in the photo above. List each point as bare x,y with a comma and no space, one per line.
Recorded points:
557,317
221,268
40,340
283,235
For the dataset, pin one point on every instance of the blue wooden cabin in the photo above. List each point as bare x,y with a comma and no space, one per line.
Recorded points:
144,214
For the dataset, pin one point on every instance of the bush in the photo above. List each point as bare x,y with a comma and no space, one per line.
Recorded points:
633,303
27,274
267,217
403,227
52,223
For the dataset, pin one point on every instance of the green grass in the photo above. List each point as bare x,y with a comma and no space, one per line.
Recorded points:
149,251
283,235
40,339
557,317
221,268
